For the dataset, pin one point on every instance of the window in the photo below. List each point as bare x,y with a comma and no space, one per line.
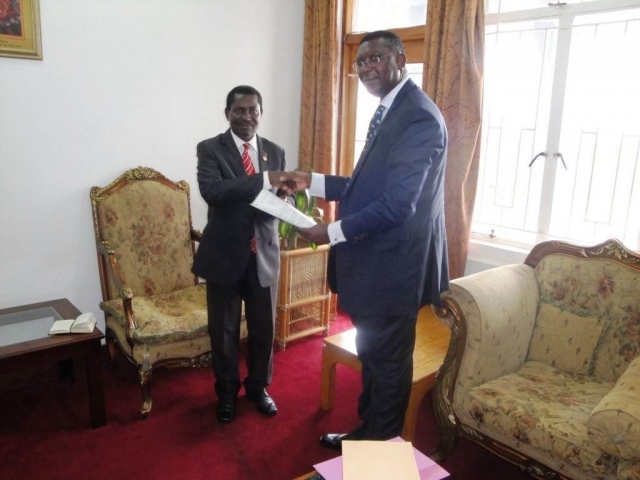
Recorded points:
560,154
503,6
561,87
407,19
370,15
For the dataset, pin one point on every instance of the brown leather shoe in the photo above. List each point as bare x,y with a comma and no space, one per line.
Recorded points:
264,403
333,440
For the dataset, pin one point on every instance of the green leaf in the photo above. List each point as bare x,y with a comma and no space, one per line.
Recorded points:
305,204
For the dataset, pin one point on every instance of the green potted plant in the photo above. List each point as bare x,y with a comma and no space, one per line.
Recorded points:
307,205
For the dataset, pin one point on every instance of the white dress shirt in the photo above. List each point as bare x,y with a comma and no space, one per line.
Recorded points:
253,153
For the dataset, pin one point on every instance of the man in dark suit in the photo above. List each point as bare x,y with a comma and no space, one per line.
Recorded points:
239,254
389,250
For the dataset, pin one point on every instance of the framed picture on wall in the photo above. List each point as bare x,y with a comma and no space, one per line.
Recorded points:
20,29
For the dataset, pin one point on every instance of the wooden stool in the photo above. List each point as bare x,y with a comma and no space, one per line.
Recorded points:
432,341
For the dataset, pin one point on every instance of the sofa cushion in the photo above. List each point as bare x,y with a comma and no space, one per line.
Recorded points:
614,424
170,317
147,355
629,469
166,318
597,287
565,340
543,411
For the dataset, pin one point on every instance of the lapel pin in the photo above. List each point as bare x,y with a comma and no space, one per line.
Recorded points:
264,156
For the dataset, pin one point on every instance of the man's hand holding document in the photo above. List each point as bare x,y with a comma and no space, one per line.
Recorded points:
270,203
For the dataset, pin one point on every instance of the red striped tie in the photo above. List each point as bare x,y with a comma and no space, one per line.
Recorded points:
246,160
248,167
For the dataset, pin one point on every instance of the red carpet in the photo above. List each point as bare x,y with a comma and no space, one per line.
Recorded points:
45,434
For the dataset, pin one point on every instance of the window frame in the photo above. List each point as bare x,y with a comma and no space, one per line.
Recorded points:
565,15
413,40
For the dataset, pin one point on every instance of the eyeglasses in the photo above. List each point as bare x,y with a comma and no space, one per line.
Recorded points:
242,111
371,61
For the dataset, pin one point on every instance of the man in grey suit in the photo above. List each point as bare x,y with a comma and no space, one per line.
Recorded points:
389,249
239,255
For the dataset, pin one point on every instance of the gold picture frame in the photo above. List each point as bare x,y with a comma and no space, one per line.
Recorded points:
20,29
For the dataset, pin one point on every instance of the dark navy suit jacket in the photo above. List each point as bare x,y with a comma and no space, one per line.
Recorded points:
392,211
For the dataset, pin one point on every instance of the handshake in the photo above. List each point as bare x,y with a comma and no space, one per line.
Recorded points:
288,183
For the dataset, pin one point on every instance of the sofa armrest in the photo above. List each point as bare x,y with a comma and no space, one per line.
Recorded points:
496,312
614,424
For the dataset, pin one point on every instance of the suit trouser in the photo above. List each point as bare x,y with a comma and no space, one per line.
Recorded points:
385,348
224,308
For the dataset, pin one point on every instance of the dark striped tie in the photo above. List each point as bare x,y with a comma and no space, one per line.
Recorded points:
375,123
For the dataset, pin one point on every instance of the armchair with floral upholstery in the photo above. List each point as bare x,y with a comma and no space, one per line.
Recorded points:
155,308
543,367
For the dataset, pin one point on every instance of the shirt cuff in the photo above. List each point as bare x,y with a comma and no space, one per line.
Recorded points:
266,184
334,230
316,189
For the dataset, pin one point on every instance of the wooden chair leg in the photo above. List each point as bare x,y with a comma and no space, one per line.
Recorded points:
145,385
113,350
447,424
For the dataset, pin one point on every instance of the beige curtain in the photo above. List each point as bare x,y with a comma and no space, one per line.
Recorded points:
320,88
453,73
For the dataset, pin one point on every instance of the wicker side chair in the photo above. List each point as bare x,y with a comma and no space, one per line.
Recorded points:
155,308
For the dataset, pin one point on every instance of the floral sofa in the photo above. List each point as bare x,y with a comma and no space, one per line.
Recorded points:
543,367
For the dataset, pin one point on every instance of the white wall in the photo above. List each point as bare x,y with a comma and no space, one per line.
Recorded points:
125,83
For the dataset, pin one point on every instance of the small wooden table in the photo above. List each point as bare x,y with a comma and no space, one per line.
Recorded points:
432,341
25,342
309,476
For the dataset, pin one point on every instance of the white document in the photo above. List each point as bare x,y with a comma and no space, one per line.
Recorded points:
270,203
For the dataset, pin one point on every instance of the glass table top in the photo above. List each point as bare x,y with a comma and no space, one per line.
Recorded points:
27,325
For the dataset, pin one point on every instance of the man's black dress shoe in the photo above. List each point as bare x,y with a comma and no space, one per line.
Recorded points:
264,402
333,440
225,411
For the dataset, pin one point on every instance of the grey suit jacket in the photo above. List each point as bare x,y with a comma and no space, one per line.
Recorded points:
225,248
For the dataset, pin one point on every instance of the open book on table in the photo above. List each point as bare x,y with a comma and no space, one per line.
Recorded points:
85,323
